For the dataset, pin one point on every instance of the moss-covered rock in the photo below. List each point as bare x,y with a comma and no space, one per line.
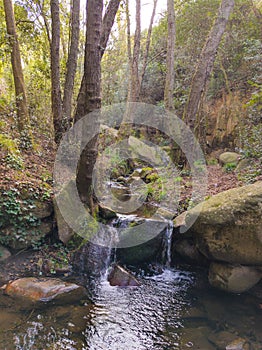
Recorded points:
229,157
228,226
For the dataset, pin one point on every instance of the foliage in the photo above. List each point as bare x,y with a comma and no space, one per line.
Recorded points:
228,167
16,213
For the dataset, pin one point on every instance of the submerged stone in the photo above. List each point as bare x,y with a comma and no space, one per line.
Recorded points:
122,278
235,279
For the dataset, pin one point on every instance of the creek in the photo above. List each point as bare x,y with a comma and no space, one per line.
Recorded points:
173,309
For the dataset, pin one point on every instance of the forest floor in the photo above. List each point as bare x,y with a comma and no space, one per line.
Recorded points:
36,173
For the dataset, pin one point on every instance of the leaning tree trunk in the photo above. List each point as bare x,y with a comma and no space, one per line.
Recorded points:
71,65
206,63
55,71
20,92
170,71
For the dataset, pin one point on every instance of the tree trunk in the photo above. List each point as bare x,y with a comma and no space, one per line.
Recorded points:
206,63
20,93
89,98
71,65
108,22
133,95
55,71
148,41
170,71
106,30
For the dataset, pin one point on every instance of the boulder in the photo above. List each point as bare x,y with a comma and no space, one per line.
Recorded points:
228,226
28,237
231,278
229,157
187,249
122,278
41,290
147,252
4,253
149,153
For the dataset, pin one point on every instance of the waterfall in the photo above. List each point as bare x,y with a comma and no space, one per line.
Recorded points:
167,251
93,260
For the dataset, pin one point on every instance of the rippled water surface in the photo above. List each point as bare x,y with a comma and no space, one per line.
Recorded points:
173,310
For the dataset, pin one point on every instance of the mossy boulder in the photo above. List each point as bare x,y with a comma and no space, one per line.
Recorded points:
229,157
228,226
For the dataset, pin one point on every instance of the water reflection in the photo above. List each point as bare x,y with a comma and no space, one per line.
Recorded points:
170,311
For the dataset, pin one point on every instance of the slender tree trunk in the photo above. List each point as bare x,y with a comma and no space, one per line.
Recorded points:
148,41
71,64
90,99
108,22
128,32
206,62
170,70
20,92
134,79
55,71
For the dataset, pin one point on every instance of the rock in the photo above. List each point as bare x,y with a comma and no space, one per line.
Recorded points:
235,279
65,232
44,290
195,338
238,344
228,226
122,193
243,164
187,249
122,278
28,237
180,220
146,252
4,253
229,157
42,209
106,213
151,154
221,339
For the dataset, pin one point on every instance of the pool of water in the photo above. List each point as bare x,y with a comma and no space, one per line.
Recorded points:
172,310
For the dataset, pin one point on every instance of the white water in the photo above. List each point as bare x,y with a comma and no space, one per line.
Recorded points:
167,252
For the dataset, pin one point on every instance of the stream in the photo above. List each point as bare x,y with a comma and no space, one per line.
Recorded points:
172,310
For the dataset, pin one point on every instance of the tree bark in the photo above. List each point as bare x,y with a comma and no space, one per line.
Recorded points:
108,22
105,33
133,95
55,71
206,63
20,91
170,61
71,65
148,41
89,98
